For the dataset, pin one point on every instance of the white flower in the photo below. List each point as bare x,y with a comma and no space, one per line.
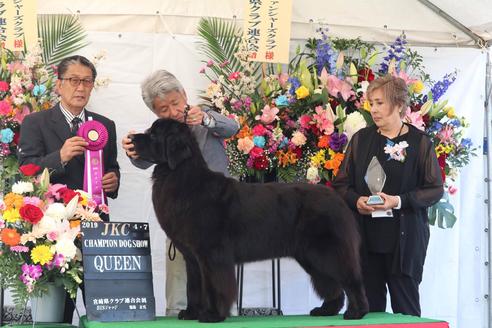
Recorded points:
56,211
298,138
22,187
353,123
363,86
65,246
312,175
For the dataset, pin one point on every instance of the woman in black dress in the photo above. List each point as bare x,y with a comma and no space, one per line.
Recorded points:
395,233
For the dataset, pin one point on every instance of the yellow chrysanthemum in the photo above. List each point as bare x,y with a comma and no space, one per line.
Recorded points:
417,87
13,200
11,215
366,105
41,254
302,92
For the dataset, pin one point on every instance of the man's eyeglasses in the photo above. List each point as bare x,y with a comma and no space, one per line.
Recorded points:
75,81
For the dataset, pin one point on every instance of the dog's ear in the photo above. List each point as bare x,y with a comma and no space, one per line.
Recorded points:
177,149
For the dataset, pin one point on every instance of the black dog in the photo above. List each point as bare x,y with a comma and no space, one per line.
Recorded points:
217,222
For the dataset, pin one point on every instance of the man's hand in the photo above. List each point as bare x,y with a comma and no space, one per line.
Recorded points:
195,116
362,206
128,146
72,147
110,182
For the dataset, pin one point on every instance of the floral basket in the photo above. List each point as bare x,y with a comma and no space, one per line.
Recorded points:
40,235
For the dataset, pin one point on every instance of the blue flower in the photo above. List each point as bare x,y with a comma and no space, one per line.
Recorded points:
455,123
396,52
282,101
294,85
259,141
441,87
39,90
6,135
436,126
325,56
466,142
283,143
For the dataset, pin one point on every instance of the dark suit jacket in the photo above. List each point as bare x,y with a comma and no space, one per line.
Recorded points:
421,186
42,135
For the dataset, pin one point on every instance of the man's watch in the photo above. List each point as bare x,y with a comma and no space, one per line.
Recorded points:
206,119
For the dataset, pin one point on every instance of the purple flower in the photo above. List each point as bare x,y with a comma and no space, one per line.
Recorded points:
294,85
442,86
32,271
325,56
338,141
396,52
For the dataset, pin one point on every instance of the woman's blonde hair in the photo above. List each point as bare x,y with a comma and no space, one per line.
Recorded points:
394,91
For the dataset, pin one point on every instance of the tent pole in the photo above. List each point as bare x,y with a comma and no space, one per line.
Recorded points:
488,170
480,42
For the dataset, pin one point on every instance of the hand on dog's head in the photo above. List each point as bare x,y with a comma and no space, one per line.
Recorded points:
167,141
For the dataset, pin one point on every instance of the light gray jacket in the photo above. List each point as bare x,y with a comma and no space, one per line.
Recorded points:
210,141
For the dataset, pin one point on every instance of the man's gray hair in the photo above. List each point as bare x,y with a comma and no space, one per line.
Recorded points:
159,84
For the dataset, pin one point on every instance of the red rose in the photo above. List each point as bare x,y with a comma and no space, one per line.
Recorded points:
16,138
365,74
260,163
256,152
31,213
67,194
442,164
29,169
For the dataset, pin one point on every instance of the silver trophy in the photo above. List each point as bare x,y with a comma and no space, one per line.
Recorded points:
375,179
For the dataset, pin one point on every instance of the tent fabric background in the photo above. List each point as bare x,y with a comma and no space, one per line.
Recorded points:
138,41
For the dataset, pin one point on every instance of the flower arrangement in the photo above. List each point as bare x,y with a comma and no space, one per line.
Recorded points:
39,234
25,87
297,120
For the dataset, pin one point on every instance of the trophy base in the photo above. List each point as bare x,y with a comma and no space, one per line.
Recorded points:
375,200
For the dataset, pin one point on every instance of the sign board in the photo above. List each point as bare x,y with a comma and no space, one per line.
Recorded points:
267,30
117,271
18,24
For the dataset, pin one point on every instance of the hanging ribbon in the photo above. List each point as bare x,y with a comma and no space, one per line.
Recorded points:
96,134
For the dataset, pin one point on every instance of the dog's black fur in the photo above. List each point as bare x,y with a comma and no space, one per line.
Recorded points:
217,222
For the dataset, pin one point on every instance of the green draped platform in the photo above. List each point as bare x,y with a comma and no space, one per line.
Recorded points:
371,320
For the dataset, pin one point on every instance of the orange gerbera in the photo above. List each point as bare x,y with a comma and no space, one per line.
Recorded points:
12,200
10,237
324,141
74,223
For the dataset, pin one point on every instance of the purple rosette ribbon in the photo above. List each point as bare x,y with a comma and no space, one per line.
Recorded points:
96,134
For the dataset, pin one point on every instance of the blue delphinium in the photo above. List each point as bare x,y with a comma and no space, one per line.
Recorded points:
436,126
294,85
396,52
442,86
325,55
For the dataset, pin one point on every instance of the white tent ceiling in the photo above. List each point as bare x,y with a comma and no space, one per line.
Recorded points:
372,20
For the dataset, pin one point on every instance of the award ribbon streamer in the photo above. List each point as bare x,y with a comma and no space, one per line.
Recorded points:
96,134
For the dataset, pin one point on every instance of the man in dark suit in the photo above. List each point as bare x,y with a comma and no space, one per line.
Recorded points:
48,138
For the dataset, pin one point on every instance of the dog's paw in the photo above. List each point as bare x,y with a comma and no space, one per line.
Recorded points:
188,314
354,314
328,308
207,316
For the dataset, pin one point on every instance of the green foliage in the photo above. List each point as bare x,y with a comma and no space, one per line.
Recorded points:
443,213
61,36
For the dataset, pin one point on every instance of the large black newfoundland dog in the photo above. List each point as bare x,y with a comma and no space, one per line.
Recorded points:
217,222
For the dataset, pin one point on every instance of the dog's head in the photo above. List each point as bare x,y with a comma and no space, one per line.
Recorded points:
167,141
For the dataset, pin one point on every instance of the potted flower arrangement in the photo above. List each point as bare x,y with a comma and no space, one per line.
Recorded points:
40,235
296,120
